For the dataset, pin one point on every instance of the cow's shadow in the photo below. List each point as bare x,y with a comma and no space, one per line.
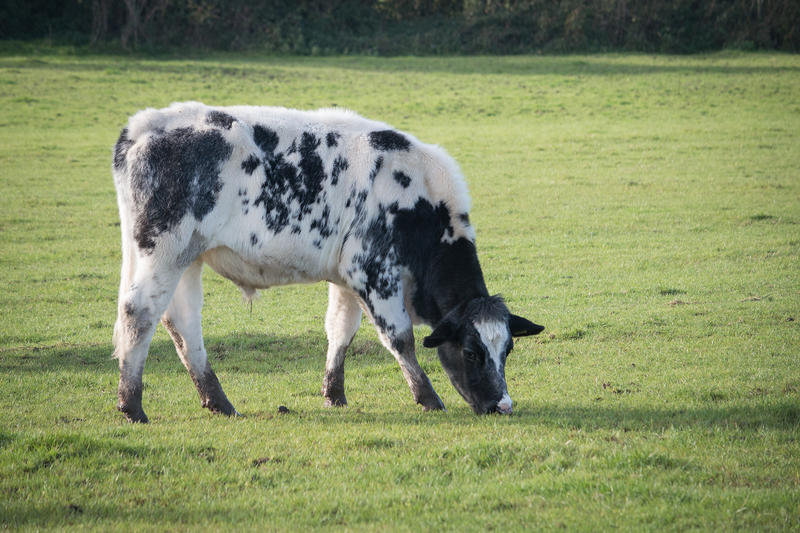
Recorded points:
742,418
745,417
257,353
266,354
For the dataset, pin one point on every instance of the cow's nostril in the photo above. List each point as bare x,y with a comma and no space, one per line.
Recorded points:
504,405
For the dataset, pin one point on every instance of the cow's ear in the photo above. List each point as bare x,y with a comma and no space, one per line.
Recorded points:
522,327
445,331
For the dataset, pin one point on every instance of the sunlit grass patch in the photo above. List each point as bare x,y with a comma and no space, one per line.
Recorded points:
644,209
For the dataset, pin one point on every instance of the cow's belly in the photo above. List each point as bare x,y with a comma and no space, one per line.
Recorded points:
250,274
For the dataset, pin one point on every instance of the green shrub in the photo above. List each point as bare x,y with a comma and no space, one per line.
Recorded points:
394,27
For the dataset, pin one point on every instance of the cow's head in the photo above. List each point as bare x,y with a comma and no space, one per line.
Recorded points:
474,341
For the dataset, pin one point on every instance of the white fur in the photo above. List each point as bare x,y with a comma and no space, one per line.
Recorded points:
291,258
495,336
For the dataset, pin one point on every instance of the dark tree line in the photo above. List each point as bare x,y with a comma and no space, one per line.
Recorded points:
409,26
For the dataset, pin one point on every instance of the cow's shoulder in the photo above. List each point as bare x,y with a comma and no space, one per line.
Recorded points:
445,188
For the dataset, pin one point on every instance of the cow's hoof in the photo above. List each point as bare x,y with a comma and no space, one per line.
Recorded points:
333,389
335,401
134,416
220,406
432,404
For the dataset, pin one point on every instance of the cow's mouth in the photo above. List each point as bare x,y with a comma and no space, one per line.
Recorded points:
500,410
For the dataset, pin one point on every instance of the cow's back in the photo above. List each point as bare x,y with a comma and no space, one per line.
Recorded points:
281,189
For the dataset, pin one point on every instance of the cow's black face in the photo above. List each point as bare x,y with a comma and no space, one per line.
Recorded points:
474,376
473,342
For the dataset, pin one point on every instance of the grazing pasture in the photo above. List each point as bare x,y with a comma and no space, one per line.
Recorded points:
646,210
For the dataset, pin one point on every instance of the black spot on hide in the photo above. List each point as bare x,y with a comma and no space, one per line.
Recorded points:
377,259
311,169
387,140
121,149
253,239
281,181
340,164
220,119
402,178
322,224
290,193
463,217
381,322
250,164
178,175
265,138
358,200
377,168
331,139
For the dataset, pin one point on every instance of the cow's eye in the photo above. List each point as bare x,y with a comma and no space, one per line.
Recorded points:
474,356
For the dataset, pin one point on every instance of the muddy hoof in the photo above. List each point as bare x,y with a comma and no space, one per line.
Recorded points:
134,416
335,401
220,406
432,404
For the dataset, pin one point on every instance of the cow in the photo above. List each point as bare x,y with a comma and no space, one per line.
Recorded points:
270,196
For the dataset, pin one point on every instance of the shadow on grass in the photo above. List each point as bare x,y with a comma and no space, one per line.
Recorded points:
39,454
258,353
749,416
125,515
267,354
744,417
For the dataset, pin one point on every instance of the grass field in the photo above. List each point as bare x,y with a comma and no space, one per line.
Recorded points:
646,210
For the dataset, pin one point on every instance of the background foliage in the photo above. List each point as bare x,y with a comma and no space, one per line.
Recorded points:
391,27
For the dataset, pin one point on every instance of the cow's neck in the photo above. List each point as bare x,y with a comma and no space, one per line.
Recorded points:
451,277
446,274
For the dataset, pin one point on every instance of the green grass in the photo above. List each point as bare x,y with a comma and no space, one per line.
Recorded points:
645,209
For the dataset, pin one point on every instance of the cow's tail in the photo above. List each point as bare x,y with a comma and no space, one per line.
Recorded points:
126,280
124,201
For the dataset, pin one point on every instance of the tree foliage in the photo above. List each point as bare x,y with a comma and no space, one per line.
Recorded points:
411,26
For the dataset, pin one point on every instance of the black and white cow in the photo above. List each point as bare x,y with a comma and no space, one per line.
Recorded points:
270,196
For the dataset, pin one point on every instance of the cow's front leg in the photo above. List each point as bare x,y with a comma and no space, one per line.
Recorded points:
397,335
403,350
341,323
182,321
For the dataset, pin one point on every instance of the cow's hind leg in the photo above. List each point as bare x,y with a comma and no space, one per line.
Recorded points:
341,323
144,295
182,321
